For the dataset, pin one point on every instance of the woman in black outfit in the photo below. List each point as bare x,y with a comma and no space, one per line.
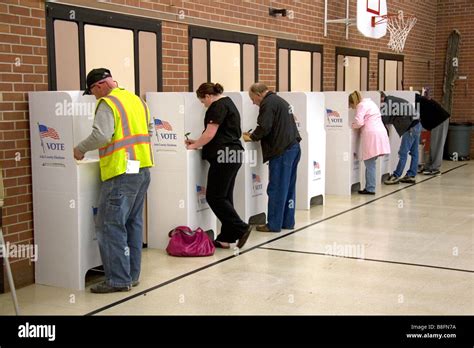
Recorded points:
222,148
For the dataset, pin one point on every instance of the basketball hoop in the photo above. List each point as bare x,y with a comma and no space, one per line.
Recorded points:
399,28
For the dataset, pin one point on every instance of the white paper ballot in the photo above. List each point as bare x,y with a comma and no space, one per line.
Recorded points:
133,167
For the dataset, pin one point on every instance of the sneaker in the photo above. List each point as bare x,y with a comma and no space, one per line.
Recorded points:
408,179
392,180
431,172
135,283
104,288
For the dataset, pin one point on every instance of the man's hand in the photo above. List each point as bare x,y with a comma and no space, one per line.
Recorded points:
246,137
78,155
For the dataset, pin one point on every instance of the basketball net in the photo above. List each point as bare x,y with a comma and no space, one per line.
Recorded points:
399,27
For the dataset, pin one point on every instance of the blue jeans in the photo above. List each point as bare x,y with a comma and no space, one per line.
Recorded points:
281,189
409,144
370,174
119,226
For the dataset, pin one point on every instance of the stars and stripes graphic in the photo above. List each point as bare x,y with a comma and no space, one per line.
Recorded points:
48,132
201,195
160,124
332,113
201,190
256,178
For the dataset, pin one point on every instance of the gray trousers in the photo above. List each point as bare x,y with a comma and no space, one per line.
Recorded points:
437,140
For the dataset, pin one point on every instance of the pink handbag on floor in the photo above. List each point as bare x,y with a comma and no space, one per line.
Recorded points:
186,242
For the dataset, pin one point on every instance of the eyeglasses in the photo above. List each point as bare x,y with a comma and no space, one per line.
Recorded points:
96,84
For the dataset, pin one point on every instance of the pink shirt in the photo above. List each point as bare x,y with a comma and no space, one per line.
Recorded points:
374,138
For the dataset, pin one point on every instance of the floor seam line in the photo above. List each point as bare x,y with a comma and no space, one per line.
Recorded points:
363,259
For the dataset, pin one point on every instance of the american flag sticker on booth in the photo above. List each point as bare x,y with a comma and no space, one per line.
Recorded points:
162,124
47,132
201,194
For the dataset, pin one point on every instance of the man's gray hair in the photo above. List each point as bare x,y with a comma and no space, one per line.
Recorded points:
258,88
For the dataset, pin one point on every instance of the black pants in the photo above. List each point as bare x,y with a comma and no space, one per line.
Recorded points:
219,195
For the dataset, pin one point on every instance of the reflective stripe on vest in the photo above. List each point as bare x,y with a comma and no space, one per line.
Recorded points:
127,141
123,115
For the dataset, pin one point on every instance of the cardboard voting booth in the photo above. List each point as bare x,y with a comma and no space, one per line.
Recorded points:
177,192
309,111
394,138
343,161
65,191
250,192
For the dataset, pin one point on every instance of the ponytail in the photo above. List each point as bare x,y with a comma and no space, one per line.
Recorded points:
209,88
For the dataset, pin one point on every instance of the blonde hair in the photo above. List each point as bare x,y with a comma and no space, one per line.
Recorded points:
355,98
258,88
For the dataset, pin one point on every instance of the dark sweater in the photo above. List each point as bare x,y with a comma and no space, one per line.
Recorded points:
432,114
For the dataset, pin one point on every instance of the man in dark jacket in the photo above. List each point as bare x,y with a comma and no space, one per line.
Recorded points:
399,112
403,116
435,118
279,137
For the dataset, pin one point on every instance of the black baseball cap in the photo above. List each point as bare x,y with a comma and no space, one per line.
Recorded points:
94,76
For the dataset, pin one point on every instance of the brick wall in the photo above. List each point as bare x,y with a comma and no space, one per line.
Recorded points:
175,57
457,14
306,22
23,66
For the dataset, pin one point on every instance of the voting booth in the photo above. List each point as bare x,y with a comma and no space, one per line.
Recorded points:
177,192
343,163
65,191
309,111
394,138
250,190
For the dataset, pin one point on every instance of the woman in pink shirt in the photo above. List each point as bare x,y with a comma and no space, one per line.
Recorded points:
374,138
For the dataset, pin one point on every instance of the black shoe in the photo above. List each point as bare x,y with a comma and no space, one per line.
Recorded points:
264,228
219,244
365,192
104,288
244,237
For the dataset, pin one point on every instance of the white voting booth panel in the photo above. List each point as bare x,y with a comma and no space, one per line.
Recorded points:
342,145
394,138
382,165
250,197
65,191
177,192
308,108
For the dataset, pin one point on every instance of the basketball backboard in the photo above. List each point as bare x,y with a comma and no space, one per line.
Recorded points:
366,9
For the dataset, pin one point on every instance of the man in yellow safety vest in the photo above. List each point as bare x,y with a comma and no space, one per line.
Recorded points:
121,131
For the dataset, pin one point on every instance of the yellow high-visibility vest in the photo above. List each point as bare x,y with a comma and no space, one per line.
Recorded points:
131,140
